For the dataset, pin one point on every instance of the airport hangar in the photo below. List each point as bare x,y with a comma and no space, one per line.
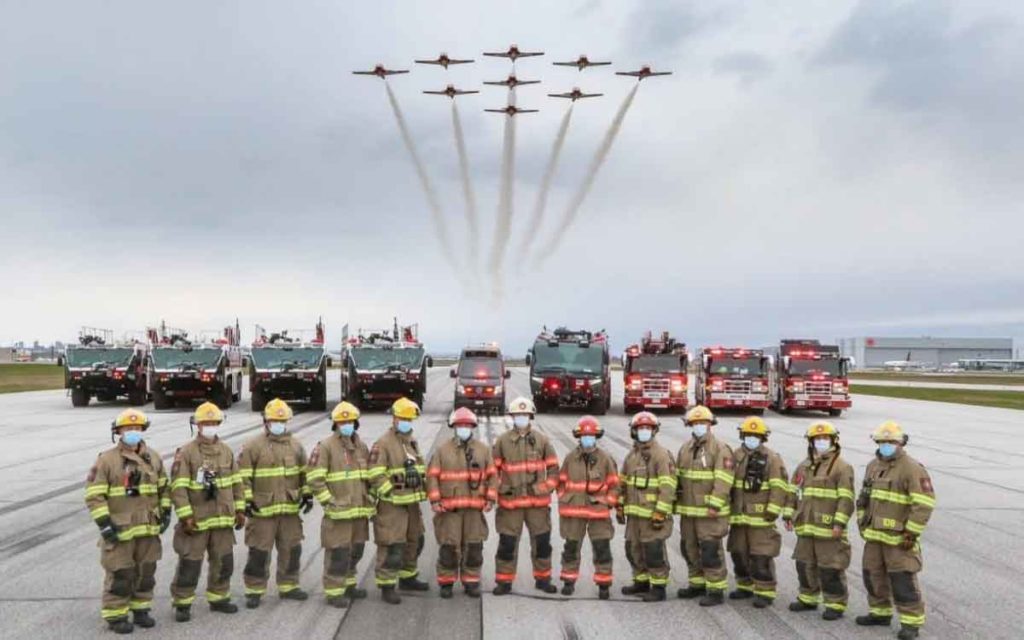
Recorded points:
874,352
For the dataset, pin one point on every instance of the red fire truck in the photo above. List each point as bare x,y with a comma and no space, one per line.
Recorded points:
654,374
733,378
810,375
570,368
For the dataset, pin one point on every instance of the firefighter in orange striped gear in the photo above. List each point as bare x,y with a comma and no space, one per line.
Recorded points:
647,491
895,504
759,494
128,497
588,487
819,509
527,474
461,487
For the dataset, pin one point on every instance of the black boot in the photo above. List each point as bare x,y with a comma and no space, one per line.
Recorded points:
502,589
252,600
338,602
121,626
713,598
446,591
691,592
388,595
740,594
656,594
872,620
545,585
182,614
908,632
800,605
636,589
603,593
224,606
472,589
831,614
141,618
413,584
294,594
355,593
760,602
568,588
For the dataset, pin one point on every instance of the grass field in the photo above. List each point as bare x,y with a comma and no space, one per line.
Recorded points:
30,377
959,378
983,398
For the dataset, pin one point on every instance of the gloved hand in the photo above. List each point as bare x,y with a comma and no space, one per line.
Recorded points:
306,504
251,508
788,524
188,526
620,515
239,520
909,541
837,532
165,520
488,506
657,520
437,507
108,530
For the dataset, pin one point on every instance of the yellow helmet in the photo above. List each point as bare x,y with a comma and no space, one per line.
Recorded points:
208,412
700,413
754,426
889,431
522,405
405,409
345,412
821,428
277,410
130,418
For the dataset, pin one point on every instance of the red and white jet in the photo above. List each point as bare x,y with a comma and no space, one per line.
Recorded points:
450,91
511,110
575,94
643,72
513,53
444,61
512,81
581,63
381,72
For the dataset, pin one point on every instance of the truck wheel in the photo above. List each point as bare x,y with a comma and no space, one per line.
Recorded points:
161,401
236,396
597,407
759,412
319,401
223,399
835,413
79,398
137,397
258,401
418,399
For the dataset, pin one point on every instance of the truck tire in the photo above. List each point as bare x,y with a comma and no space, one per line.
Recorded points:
257,400
319,401
137,397
597,407
835,413
418,399
758,412
236,396
161,401
79,398
223,397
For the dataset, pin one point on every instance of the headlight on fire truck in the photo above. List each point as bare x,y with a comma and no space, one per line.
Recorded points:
798,386
758,386
838,387
536,379
595,381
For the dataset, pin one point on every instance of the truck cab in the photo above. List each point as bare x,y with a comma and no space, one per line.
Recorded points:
289,365
480,379
654,374
570,369
379,367
733,378
185,369
98,367
810,375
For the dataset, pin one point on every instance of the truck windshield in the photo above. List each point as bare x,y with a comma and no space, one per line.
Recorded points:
735,366
567,357
656,364
112,357
804,367
480,368
371,359
287,358
182,359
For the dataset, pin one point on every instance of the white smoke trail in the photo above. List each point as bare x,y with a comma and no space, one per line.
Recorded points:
537,218
588,181
505,202
472,225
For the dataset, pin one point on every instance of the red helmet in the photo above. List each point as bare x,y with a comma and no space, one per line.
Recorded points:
645,419
588,426
462,416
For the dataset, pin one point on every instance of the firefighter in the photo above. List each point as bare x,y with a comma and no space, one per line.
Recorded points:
588,487
461,487
647,491
338,476
893,508
759,494
128,497
819,508
705,470
397,480
527,474
206,489
273,468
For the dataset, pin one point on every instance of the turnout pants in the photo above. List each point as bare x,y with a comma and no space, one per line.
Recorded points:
130,569
398,533
700,541
344,542
890,574
573,531
460,537
218,545
821,569
753,551
261,536
645,550
509,523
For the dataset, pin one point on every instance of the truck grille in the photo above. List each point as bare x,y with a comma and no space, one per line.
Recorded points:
818,388
656,386
738,386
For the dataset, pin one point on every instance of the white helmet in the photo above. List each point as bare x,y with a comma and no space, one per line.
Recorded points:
522,405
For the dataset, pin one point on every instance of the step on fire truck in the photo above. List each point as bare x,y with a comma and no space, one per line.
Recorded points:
654,374
183,368
733,378
98,367
810,375
291,365
379,367
570,369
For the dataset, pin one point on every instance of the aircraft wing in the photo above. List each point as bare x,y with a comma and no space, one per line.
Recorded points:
497,55
495,110
527,110
460,61
565,64
437,93
598,64
530,54
427,61
528,82
634,74
497,83
660,73
560,95
365,73
389,72
463,93
591,95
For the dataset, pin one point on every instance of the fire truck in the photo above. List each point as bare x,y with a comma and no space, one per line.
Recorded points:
810,375
290,364
570,369
207,366
654,374
98,367
733,378
379,367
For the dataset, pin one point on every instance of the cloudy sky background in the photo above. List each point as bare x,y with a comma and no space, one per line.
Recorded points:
810,169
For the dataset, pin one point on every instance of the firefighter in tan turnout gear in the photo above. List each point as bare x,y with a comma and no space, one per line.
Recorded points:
273,468
705,470
206,489
128,497
397,478
893,507
338,476
461,487
819,510
527,474
759,494
647,491
588,488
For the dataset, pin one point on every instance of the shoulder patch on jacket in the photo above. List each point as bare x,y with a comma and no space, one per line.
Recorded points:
374,453
926,485
728,463
314,457
91,476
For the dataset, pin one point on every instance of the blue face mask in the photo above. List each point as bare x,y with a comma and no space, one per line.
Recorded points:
132,438
751,442
464,433
521,421
822,445
700,430
887,449
404,426
588,442
347,429
644,435
277,428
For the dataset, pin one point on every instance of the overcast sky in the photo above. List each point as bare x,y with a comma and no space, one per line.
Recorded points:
810,169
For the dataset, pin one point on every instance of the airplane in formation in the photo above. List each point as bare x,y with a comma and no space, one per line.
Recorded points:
443,60
450,91
513,53
575,94
643,72
581,63
381,72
